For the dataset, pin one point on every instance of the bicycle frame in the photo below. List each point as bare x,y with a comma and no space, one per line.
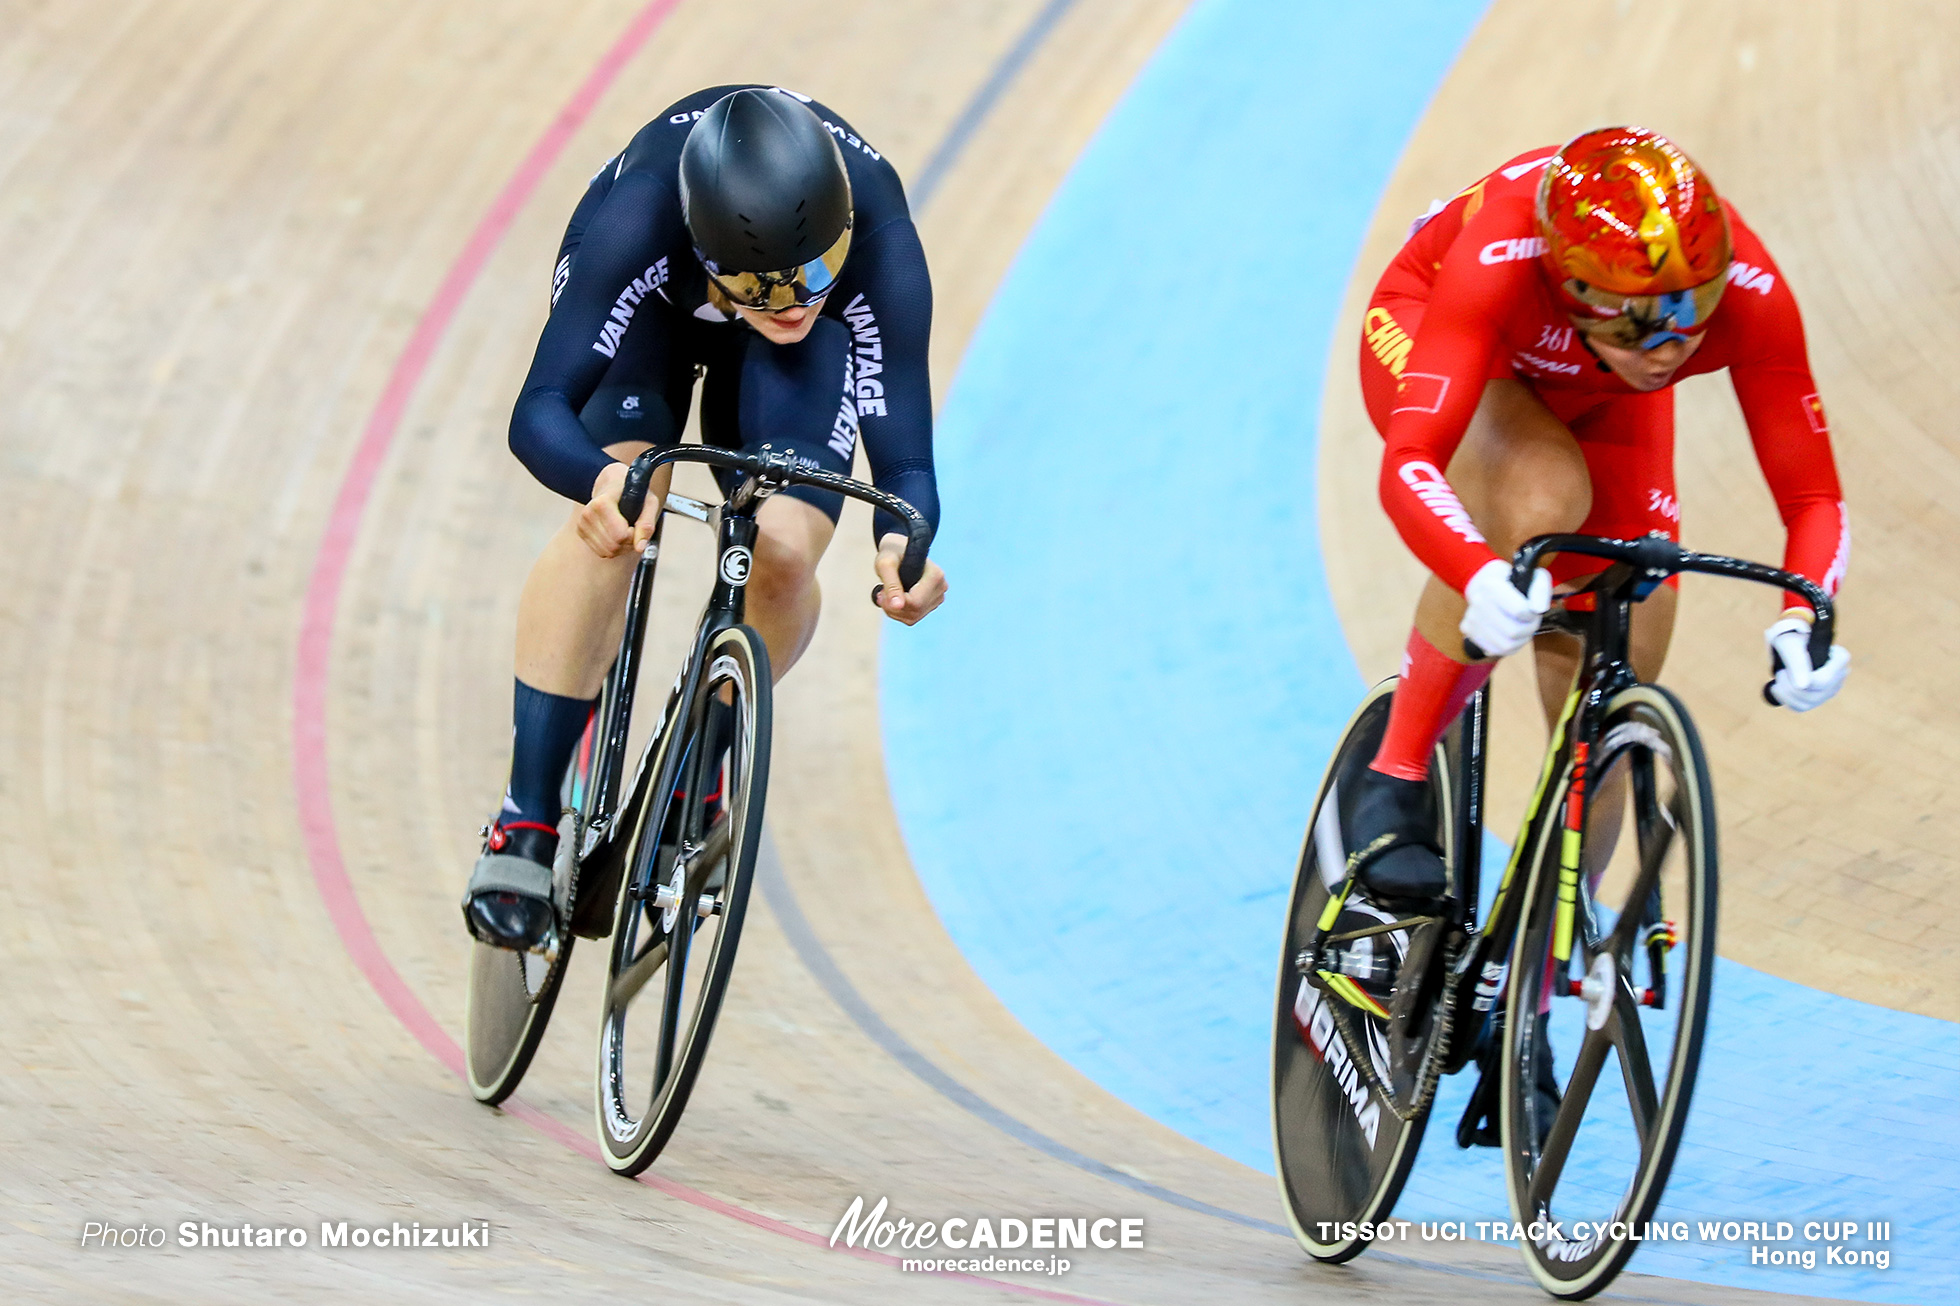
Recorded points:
604,839
1477,979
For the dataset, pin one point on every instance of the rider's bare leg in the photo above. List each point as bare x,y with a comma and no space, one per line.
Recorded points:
568,621
784,599
573,608
1519,473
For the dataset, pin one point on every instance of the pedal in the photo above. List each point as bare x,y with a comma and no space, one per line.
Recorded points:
549,947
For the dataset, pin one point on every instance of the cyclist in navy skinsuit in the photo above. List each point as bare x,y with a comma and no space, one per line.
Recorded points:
748,236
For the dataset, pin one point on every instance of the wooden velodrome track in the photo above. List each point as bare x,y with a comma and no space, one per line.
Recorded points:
221,225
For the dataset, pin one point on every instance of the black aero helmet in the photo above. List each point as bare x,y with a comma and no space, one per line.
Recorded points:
766,199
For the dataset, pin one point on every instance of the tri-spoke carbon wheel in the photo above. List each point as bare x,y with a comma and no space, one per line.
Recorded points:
1601,1048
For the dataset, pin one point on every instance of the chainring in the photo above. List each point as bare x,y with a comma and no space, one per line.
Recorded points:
1407,1002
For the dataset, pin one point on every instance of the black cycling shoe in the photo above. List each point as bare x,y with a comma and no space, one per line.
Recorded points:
1409,866
509,920
508,903
1479,1128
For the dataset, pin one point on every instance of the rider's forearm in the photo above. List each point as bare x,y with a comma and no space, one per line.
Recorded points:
891,327
1818,544
1430,518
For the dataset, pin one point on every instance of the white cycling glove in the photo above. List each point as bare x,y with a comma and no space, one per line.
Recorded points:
1499,620
1797,685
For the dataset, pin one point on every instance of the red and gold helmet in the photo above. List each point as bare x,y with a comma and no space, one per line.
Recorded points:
1636,241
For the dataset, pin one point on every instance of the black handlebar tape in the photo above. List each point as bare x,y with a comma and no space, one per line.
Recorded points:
633,495
1820,640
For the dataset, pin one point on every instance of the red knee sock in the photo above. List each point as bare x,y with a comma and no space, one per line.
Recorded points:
1433,689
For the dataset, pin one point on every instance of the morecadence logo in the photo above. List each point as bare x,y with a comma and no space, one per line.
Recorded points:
878,1228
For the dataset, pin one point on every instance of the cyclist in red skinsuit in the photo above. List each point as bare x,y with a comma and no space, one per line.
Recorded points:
1542,398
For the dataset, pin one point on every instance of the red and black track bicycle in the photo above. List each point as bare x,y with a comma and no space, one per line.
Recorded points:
1582,996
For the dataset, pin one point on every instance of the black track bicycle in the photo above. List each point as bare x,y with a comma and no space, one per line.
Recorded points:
665,874
1582,997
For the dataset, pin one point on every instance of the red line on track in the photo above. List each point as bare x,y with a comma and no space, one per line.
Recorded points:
311,779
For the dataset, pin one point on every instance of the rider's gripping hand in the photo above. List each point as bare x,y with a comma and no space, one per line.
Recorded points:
1797,685
901,604
604,531
1499,619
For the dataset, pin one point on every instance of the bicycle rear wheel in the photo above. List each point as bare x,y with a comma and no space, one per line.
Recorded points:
680,909
1587,1150
507,1005
1342,1151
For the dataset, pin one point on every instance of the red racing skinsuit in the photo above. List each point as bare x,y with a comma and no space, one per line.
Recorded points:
1466,302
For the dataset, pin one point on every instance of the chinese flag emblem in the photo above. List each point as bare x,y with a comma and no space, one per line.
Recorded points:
1813,411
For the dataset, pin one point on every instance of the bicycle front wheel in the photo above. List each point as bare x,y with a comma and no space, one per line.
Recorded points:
1609,986
680,909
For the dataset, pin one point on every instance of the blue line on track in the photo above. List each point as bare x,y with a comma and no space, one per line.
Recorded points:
957,137
823,967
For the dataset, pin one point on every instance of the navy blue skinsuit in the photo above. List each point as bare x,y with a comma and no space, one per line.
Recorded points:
630,325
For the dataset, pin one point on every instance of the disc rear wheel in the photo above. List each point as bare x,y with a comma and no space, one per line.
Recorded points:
1343,1151
507,1005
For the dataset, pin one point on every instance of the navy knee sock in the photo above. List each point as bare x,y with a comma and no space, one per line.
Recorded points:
545,729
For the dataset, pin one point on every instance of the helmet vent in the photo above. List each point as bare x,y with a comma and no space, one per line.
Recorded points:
792,181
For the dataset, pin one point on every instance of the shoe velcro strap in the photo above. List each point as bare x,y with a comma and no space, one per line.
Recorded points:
506,873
